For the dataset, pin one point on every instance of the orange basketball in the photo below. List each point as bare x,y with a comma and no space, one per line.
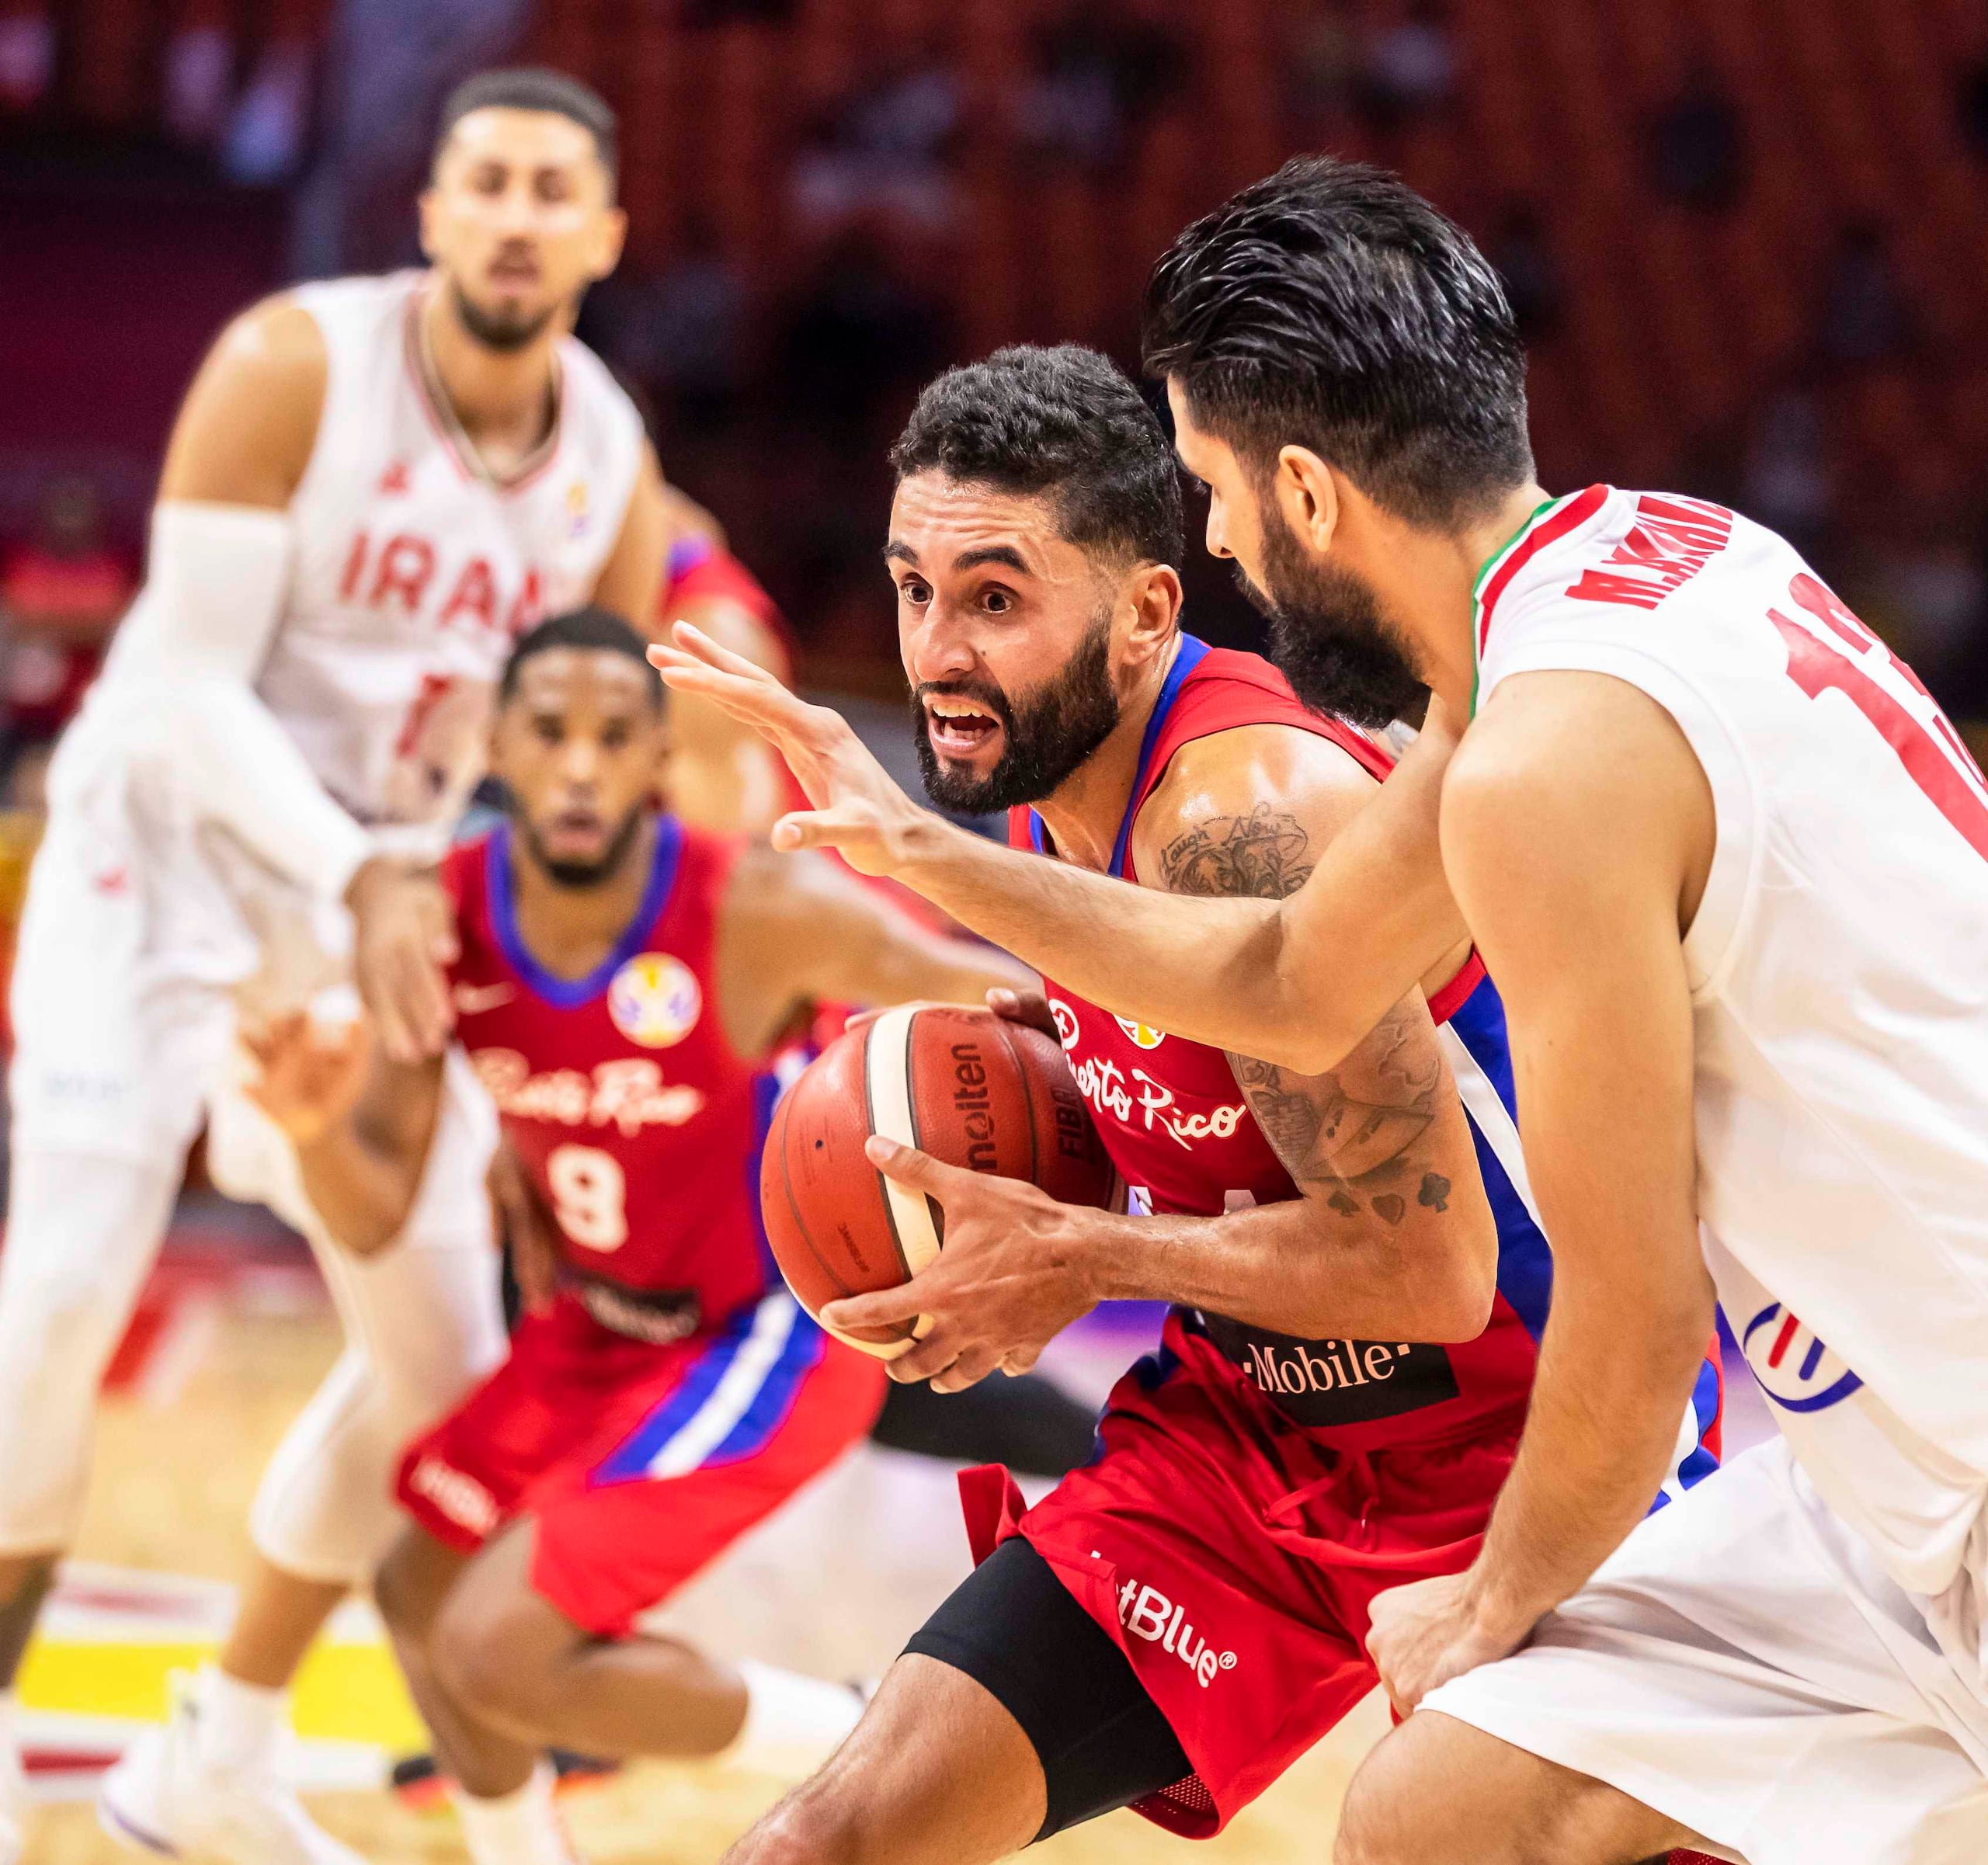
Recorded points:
965,1085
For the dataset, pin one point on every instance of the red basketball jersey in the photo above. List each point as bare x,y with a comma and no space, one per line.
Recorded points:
1179,1130
619,1091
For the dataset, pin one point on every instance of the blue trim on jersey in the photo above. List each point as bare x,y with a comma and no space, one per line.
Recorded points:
1704,1406
1193,651
630,1460
570,993
1525,1262
774,1400
685,554
1700,1464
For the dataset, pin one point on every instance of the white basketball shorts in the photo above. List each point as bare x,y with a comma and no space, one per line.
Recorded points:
1744,1665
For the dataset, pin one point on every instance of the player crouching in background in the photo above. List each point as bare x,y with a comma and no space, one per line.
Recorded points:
622,981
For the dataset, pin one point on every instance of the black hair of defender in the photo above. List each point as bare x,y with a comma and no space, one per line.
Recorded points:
1064,422
592,629
536,88
1330,307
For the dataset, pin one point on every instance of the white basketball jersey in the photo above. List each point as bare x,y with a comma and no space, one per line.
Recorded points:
413,573
1839,968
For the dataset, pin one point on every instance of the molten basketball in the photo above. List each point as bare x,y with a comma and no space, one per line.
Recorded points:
965,1085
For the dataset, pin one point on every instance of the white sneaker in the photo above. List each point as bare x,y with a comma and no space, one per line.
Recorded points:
163,1798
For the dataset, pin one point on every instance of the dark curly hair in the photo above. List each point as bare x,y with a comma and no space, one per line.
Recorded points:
1064,422
1332,307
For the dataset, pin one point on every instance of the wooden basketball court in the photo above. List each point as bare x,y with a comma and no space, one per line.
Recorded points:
178,1457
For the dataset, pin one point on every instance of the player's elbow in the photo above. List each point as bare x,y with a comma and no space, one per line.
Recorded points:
1298,1025
1466,1290
1454,1297
372,1235
1459,1309
364,1226
1305,1043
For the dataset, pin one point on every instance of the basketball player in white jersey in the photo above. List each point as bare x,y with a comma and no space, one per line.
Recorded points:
1728,864
374,486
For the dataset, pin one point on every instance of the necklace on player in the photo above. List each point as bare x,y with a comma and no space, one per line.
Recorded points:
457,435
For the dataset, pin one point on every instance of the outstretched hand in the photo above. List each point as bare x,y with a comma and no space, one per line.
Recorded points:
309,1074
1014,1274
859,809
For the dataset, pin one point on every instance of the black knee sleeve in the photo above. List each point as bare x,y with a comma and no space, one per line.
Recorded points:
1014,1629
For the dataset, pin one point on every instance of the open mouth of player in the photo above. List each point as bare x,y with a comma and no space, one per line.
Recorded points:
958,727
574,832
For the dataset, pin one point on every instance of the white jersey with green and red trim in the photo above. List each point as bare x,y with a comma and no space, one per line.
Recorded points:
1839,971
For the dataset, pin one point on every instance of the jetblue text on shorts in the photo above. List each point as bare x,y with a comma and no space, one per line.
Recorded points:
1147,1613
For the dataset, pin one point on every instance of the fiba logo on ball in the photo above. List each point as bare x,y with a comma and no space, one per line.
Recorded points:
1143,1035
1793,1366
655,1000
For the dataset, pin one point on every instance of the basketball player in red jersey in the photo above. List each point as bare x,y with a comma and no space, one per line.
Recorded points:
621,979
724,776
1360,1281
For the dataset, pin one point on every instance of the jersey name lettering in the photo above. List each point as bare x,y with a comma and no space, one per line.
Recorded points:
1105,1085
1671,541
1954,788
629,1094
400,573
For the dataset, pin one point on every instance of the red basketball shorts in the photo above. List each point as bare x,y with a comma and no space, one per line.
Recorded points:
1233,1555
638,1462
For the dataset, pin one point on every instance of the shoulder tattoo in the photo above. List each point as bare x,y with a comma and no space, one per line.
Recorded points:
1266,855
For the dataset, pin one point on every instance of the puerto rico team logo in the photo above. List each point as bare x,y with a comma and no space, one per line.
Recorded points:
1793,1366
655,1000
1144,1035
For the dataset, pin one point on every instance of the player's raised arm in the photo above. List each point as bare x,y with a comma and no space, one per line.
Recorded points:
360,1123
804,929
1579,828
1297,982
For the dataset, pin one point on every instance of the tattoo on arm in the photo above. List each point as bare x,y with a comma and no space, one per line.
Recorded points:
1266,855
1358,1147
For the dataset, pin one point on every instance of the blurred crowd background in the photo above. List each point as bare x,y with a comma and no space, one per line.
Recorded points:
1745,238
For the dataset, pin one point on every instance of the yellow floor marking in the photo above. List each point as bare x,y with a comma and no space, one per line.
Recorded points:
347,1692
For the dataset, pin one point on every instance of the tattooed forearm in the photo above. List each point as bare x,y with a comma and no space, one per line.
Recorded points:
1266,854
1353,1144
1323,1135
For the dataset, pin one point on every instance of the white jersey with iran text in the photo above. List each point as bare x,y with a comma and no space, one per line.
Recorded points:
411,575
413,572
1839,970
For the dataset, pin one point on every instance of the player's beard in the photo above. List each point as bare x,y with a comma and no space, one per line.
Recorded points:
581,875
497,330
1329,637
1048,732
